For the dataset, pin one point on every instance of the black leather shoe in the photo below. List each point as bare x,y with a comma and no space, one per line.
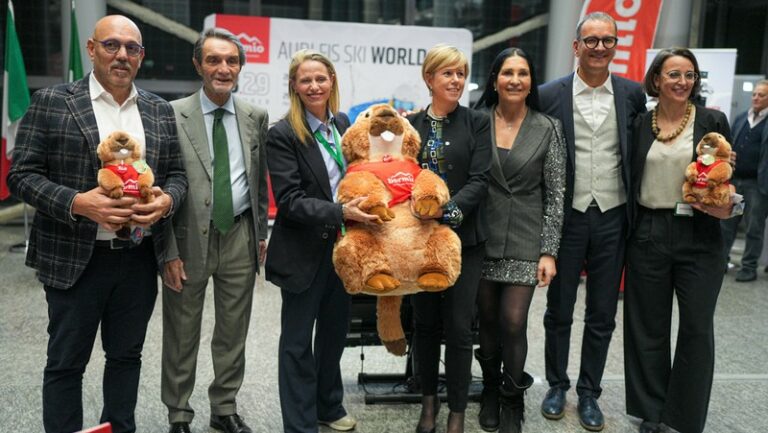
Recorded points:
590,415
649,427
745,275
230,424
553,405
179,427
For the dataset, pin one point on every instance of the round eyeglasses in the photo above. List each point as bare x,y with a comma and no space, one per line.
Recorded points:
112,46
609,42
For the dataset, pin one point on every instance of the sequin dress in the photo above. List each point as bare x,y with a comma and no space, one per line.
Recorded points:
510,270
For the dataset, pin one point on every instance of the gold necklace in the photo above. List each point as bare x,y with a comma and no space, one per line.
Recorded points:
507,124
657,132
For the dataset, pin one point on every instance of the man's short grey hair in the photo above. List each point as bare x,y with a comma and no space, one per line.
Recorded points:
761,83
596,16
218,33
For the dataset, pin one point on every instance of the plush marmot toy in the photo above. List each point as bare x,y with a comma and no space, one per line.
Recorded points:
404,254
707,178
123,171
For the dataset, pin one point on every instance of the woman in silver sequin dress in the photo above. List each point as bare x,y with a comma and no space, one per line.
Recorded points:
525,215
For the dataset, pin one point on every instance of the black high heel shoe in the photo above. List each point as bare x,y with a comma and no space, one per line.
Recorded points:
429,403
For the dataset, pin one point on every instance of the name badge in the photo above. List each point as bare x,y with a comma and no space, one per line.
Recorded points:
683,209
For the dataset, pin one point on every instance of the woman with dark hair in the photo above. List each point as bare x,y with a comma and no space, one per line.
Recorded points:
674,249
525,215
457,147
306,165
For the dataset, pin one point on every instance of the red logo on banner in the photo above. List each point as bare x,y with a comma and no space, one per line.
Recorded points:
636,21
253,33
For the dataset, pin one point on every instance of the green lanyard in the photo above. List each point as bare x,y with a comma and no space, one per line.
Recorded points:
336,155
335,151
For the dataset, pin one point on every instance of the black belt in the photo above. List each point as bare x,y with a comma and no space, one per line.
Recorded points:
242,214
119,244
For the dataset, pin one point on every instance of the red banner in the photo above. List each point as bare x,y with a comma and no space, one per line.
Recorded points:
636,21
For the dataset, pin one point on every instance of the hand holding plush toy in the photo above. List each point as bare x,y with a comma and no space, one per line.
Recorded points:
404,253
707,178
124,172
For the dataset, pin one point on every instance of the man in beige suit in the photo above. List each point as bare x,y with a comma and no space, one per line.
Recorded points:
219,231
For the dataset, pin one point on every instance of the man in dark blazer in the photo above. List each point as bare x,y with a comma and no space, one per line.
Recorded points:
750,177
200,248
91,277
597,110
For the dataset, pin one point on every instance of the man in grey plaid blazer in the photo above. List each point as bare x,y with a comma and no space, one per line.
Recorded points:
91,277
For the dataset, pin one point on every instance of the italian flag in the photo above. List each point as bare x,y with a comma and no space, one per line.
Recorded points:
75,70
15,97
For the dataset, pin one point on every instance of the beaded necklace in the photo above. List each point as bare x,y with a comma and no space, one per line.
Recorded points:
657,132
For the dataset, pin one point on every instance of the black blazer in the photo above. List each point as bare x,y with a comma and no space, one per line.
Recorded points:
556,98
706,121
307,219
468,157
741,122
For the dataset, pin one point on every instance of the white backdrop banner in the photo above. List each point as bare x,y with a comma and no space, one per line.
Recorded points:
718,67
374,62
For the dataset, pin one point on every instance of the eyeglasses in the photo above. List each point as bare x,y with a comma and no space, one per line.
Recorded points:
112,46
677,75
608,42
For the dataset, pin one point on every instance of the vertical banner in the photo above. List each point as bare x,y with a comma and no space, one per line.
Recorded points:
636,21
15,97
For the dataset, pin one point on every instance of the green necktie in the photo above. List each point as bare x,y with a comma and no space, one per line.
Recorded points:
223,215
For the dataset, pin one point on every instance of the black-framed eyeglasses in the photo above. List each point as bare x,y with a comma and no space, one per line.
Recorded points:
112,46
608,42
677,75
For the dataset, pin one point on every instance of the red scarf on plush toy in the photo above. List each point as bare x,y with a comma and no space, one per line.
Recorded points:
130,178
398,176
703,170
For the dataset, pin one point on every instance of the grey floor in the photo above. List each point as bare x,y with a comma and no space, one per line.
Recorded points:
739,402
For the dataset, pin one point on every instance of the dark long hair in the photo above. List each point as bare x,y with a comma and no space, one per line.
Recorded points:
490,96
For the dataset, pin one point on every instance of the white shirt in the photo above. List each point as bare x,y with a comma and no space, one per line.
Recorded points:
237,175
760,116
110,117
334,172
593,103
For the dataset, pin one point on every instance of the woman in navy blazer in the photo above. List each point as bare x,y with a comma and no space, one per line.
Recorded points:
456,145
673,250
306,165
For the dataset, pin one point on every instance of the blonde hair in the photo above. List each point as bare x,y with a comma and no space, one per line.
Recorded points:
441,56
296,116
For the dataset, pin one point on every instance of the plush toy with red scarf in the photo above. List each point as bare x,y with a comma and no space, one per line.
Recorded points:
403,254
123,173
707,178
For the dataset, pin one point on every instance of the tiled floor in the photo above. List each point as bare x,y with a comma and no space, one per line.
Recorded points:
739,402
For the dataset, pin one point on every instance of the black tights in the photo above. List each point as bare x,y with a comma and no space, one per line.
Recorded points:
503,314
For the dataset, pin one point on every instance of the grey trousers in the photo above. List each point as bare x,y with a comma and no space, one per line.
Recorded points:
232,264
755,212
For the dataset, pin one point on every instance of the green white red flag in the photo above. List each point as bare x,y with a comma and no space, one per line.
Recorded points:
15,97
75,70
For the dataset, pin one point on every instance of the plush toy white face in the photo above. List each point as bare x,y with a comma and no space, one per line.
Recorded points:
119,146
385,133
714,144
